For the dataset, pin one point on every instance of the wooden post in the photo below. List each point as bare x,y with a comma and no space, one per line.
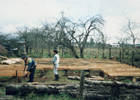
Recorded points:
120,55
109,53
114,91
42,73
16,76
19,79
81,88
134,79
66,72
132,58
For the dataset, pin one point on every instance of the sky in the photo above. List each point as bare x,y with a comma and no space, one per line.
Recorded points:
34,13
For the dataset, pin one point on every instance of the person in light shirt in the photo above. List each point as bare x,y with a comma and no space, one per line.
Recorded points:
55,61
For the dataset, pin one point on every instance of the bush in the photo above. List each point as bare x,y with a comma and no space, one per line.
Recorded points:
137,58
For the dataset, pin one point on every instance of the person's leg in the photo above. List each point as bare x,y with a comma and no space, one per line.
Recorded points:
55,72
31,77
57,65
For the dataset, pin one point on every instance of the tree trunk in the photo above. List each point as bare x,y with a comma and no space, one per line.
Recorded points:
49,50
123,53
74,53
37,53
109,53
30,50
81,53
42,53
27,49
62,51
103,54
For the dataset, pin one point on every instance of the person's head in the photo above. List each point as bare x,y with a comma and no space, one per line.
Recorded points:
24,45
55,52
24,57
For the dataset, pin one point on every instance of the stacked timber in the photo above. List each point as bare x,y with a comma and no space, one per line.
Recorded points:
94,90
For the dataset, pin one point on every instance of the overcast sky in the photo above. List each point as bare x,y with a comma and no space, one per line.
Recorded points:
32,13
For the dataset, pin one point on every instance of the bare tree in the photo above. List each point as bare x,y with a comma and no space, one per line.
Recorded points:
123,40
93,23
72,34
3,37
130,30
64,34
48,37
103,41
37,41
24,36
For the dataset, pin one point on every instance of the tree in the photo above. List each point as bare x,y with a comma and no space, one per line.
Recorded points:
24,36
123,40
3,37
103,41
37,41
130,30
64,34
71,34
48,37
92,24
91,43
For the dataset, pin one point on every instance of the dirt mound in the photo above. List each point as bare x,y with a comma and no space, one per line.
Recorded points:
3,50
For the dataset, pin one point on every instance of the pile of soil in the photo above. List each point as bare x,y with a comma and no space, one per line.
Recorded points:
3,50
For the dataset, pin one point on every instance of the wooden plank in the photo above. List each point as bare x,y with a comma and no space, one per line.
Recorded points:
12,73
124,74
122,71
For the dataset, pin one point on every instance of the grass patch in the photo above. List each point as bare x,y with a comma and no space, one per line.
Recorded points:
34,96
2,91
8,79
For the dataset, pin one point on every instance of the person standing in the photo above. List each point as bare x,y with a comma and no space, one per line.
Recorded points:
30,64
23,50
55,61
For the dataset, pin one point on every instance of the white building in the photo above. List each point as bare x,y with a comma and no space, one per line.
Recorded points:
115,45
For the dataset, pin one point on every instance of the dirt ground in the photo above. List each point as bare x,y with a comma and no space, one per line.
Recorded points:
49,76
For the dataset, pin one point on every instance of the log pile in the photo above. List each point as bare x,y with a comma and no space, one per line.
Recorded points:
6,97
95,90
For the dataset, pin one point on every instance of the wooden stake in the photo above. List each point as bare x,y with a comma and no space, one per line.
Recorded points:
81,85
16,76
120,55
132,58
109,53
134,79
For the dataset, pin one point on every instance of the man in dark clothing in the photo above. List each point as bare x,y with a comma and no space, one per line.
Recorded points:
23,50
30,65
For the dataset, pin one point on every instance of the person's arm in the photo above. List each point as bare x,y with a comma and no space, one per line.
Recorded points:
54,59
29,64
